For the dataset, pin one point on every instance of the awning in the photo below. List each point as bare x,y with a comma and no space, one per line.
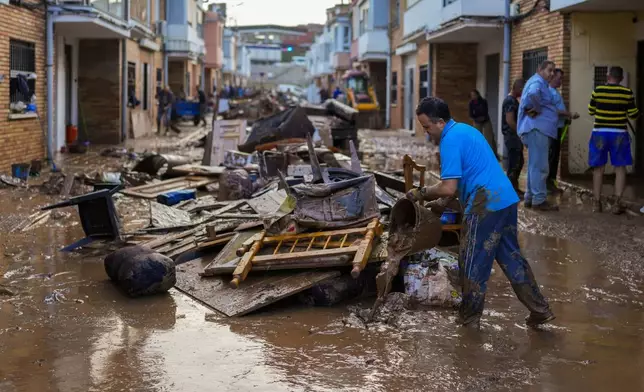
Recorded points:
467,31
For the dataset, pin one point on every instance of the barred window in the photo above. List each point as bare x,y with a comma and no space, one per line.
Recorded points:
600,76
531,61
424,81
22,58
394,88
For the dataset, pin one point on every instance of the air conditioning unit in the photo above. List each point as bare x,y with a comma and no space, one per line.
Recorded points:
515,10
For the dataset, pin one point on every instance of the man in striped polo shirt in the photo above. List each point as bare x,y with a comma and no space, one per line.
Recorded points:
612,105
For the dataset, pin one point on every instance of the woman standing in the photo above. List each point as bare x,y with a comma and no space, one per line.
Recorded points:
481,118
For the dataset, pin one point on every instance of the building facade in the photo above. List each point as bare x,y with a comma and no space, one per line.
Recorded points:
214,23
339,25
373,46
22,51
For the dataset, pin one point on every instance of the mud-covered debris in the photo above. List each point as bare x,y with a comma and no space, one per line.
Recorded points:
59,214
7,291
235,185
141,271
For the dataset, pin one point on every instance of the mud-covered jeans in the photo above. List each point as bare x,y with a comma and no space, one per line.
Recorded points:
515,158
487,237
538,166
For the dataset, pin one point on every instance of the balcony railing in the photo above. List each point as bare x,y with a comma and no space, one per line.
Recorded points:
112,7
184,46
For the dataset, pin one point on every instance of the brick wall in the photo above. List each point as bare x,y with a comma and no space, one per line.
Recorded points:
543,29
21,140
454,76
154,60
99,90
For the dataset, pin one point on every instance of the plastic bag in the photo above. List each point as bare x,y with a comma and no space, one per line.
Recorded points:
428,283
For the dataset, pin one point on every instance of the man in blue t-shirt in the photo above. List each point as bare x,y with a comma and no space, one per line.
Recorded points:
470,170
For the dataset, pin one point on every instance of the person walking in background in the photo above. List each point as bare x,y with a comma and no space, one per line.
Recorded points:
479,113
513,144
564,117
611,105
471,172
324,94
537,128
165,99
203,105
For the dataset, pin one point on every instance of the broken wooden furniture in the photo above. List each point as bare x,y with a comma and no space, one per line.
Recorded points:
97,215
308,249
151,191
226,135
408,168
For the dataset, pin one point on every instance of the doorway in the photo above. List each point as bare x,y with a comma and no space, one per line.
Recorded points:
639,132
492,76
409,98
146,86
68,84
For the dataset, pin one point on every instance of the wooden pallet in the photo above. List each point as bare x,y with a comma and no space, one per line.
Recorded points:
287,249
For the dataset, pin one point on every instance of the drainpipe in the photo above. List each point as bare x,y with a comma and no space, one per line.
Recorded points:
50,87
506,48
203,75
430,70
123,89
165,50
388,93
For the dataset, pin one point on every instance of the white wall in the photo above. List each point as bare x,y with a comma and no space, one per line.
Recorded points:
597,39
484,49
425,13
60,122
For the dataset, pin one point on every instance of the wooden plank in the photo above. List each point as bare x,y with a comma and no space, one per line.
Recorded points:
255,293
191,169
151,191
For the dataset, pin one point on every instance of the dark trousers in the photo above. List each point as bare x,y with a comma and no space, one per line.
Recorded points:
515,159
486,237
553,157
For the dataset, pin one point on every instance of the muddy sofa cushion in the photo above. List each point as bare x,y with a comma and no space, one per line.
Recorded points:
141,271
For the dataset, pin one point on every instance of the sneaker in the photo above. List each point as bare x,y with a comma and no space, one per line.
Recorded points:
617,208
527,204
535,320
546,206
597,206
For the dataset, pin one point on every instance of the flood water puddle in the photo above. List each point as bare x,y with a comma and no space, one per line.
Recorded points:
64,327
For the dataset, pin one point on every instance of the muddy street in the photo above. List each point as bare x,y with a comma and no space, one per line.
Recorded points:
65,327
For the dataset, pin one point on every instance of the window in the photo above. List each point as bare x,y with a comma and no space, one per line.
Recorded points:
448,2
159,78
531,61
424,81
600,76
186,87
395,14
146,84
364,19
346,43
394,88
131,79
23,62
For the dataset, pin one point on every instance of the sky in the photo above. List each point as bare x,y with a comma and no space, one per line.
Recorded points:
280,12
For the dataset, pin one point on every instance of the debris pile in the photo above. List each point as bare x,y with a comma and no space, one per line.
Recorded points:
271,211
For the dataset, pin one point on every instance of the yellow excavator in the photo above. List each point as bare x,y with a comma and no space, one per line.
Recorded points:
359,94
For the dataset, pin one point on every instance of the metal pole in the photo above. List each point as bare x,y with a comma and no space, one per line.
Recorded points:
123,89
50,86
